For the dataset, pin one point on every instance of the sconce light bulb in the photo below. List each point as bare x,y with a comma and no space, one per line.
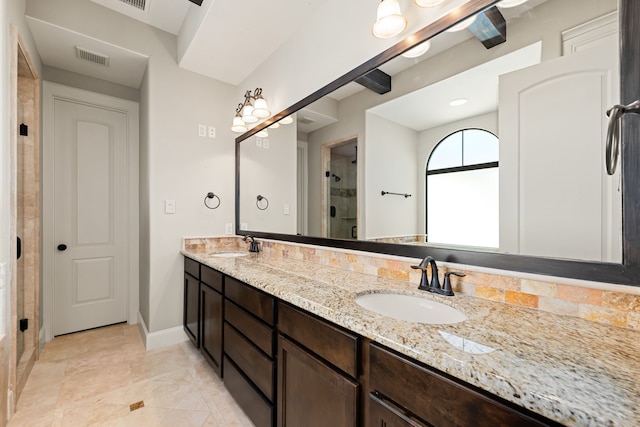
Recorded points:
260,109
389,21
238,125
418,50
462,25
286,121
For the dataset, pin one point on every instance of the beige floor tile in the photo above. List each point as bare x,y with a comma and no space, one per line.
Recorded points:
90,379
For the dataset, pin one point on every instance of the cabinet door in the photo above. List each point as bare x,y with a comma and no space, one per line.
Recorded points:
312,394
383,413
211,327
191,313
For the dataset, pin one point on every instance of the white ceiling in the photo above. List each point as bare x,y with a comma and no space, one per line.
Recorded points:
233,37
409,110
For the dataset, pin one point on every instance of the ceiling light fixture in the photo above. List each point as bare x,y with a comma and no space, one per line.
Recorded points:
418,50
510,3
462,25
389,20
250,111
458,102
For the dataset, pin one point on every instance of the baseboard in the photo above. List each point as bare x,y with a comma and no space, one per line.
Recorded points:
164,338
42,339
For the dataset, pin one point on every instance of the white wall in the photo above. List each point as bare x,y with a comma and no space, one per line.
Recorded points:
390,166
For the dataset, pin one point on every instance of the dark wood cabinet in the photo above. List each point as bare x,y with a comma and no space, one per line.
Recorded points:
310,372
424,394
211,320
191,306
311,393
249,350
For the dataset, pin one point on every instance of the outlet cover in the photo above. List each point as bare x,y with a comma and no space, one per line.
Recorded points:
228,228
265,143
212,132
258,142
244,226
169,206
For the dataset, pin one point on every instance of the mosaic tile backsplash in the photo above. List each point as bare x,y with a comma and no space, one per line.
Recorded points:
609,306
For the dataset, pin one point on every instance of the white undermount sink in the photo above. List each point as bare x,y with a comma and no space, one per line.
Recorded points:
411,308
229,254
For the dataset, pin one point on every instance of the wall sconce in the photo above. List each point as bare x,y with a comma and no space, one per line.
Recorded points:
250,111
389,20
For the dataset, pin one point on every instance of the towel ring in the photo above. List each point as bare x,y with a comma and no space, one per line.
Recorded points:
613,133
259,199
211,196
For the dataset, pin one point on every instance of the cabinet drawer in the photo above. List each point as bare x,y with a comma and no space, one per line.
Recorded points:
192,267
255,331
252,403
385,413
255,365
436,399
337,346
255,302
211,277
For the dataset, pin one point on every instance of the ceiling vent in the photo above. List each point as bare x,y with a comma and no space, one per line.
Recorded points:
139,4
96,58
306,120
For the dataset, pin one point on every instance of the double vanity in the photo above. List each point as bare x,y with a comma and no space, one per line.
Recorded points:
295,345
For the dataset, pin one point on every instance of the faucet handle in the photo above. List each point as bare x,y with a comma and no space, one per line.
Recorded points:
446,286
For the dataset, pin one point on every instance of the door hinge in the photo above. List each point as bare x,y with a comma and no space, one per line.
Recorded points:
327,174
24,129
24,325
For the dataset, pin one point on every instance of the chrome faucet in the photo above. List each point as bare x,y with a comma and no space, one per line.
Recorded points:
434,283
253,244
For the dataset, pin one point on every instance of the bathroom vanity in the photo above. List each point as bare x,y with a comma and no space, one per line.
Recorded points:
298,350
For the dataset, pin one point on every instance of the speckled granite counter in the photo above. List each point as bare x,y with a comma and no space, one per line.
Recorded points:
570,370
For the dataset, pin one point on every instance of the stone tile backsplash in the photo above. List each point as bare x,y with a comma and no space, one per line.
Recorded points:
612,307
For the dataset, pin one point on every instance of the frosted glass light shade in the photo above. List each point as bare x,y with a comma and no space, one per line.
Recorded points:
247,114
462,25
286,121
428,3
260,108
274,126
389,20
238,125
418,50
262,134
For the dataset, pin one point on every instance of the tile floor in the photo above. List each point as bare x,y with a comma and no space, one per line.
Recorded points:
91,378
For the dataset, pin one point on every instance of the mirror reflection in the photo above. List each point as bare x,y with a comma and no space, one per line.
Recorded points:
493,149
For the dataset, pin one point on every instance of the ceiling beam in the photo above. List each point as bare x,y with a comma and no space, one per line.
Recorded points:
376,80
490,27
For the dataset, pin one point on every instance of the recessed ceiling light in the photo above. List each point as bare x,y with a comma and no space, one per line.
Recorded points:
459,101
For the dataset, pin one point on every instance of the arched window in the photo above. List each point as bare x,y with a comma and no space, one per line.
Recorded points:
462,190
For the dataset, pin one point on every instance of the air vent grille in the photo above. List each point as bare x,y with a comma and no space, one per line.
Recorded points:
306,120
95,57
139,4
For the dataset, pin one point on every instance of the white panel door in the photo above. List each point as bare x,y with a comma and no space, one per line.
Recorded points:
90,214
555,197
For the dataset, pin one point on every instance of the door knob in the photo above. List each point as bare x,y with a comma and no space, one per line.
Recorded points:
62,247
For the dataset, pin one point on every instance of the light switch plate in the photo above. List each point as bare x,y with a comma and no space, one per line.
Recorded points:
244,226
202,130
169,206
258,142
228,228
285,209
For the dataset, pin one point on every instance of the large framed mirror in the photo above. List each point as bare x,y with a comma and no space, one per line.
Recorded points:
513,179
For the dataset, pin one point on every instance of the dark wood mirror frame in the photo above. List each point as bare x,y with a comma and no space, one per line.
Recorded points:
627,273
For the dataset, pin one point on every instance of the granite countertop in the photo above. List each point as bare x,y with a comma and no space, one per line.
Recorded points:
570,370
